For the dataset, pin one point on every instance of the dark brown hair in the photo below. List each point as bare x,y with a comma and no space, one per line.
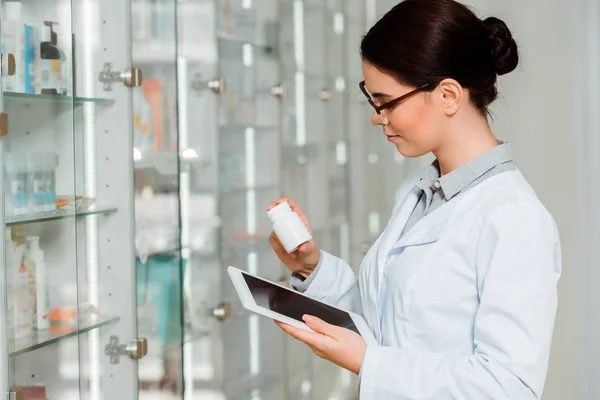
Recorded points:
425,41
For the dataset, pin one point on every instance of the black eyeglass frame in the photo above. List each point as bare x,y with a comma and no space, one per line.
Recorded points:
391,103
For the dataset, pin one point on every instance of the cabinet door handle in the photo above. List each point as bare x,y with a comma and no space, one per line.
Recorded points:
222,312
131,77
278,91
217,85
325,95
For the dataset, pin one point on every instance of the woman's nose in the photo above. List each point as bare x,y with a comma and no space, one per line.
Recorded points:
379,119
375,119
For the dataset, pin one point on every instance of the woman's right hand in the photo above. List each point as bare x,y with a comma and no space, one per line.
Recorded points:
304,260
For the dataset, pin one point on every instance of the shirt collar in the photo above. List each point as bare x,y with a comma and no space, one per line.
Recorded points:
457,180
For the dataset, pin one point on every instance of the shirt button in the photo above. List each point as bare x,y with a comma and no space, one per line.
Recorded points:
436,184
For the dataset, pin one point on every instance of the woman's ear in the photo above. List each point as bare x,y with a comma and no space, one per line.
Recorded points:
452,96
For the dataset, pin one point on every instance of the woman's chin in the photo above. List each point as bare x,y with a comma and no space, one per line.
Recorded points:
408,151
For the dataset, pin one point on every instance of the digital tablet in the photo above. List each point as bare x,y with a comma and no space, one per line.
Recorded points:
287,305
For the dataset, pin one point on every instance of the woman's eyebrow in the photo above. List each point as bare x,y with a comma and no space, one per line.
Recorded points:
380,95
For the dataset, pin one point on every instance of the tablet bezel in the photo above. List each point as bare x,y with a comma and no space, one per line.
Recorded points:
248,302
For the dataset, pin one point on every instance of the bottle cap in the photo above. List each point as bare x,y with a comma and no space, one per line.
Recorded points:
279,210
12,10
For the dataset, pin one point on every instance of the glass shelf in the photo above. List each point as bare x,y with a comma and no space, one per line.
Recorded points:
39,339
241,128
166,252
28,97
55,215
242,189
242,41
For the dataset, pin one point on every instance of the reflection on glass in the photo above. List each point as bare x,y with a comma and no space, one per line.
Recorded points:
159,263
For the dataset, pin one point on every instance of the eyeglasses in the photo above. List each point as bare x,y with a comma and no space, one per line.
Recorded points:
389,104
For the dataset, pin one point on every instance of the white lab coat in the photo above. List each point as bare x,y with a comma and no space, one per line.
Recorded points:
463,305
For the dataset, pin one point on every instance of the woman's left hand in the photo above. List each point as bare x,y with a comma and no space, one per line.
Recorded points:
339,345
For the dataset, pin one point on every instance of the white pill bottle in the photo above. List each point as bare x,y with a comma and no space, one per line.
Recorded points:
288,227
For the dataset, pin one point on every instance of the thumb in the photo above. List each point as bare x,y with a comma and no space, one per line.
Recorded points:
320,326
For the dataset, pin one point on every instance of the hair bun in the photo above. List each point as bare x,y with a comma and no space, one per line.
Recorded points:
503,46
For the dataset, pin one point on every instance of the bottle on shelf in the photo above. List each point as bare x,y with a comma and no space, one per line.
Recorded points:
35,182
141,18
19,276
50,63
16,199
65,73
30,60
61,42
38,283
52,164
12,42
143,133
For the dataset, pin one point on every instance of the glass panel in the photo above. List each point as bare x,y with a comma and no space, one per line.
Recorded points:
106,131
159,263
234,131
38,160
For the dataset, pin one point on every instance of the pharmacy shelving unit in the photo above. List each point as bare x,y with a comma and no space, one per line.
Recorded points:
88,246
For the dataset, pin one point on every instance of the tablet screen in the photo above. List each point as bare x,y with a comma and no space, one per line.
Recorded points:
294,305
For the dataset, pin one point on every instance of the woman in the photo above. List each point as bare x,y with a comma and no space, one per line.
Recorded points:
460,288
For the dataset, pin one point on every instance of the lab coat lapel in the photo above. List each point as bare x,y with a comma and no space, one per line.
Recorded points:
428,228
394,229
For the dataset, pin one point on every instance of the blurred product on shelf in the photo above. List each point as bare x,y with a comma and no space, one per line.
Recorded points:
19,299
30,59
31,182
71,315
31,392
49,63
158,232
27,297
236,22
40,51
38,283
144,138
152,20
153,104
12,43
79,203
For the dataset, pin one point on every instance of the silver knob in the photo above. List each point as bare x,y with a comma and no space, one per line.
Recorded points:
137,349
222,312
325,95
278,91
132,77
217,85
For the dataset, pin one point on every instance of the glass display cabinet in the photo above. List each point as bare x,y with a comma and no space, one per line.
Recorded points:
141,142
